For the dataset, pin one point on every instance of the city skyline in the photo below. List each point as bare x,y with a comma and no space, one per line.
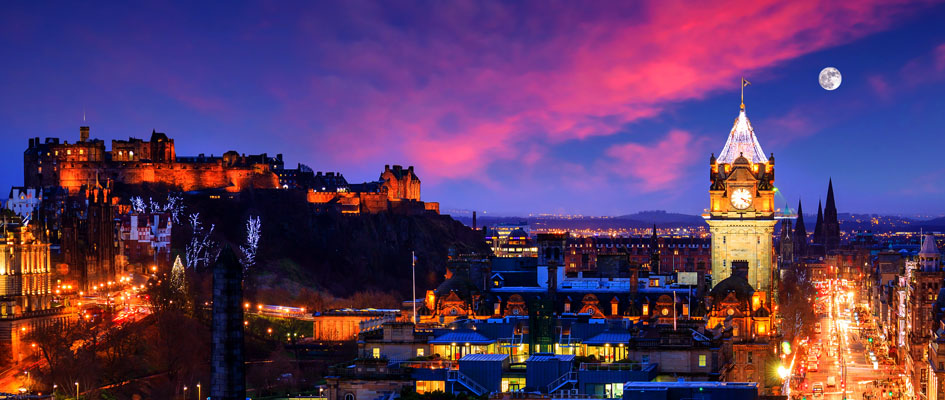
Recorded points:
509,108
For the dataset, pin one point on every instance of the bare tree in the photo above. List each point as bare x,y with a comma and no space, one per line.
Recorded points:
137,205
253,230
200,250
174,206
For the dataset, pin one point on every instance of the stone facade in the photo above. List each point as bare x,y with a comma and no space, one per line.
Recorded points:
741,213
397,190
25,288
71,165
227,369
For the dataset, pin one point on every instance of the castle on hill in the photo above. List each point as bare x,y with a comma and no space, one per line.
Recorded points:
56,163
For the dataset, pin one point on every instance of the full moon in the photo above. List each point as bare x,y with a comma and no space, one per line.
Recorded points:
830,78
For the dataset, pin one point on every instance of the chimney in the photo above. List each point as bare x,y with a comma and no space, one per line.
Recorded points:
32,143
83,133
474,221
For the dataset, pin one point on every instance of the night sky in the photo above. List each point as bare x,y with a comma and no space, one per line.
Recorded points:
509,107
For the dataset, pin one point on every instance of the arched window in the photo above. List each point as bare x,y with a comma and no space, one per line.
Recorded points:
349,396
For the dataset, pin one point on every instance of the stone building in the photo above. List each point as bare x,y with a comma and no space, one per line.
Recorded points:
227,368
26,297
741,208
397,190
926,282
144,239
52,163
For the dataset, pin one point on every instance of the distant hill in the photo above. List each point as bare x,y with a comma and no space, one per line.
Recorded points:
664,218
644,219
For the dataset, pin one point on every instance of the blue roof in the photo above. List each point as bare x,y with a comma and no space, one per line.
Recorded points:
484,357
609,338
461,337
549,357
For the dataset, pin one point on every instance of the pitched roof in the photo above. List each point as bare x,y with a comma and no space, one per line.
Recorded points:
609,337
461,337
742,142
928,245
484,357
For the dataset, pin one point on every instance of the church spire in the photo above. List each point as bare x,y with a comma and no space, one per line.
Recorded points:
831,221
819,226
800,233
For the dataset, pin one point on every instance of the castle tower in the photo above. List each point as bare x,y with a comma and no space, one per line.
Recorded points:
741,208
800,233
831,223
83,134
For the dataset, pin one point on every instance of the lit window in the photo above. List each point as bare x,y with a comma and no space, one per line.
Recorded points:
419,352
646,309
567,307
376,352
131,153
702,360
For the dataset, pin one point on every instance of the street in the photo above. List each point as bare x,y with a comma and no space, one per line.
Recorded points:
845,358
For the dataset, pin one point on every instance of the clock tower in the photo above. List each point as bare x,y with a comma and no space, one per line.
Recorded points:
741,208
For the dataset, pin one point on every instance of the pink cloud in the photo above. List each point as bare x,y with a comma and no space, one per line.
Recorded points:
880,86
511,87
657,166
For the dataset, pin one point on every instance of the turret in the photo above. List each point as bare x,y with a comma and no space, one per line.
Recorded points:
83,133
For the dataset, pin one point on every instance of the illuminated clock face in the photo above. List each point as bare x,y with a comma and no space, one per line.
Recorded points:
665,311
741,198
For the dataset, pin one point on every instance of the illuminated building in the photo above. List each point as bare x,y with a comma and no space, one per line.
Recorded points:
26,298
741,207
52,163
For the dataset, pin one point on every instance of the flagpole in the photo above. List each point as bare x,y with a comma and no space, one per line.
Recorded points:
413,268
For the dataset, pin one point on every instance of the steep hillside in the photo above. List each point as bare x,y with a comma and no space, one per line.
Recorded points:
340,254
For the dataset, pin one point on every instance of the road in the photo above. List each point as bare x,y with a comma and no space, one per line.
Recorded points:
841,359
126,306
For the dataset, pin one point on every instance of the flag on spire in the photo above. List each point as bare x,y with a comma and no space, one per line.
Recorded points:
744,83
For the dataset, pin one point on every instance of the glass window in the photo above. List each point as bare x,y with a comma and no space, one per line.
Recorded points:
702,360
419,352
376,352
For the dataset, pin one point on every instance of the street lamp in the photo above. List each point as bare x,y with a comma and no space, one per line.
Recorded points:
76,390
185,392
198,390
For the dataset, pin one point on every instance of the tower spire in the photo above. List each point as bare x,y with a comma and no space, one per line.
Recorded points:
800,233
744,83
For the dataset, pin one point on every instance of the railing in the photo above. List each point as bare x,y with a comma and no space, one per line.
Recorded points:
454,375
375,323
433,364
566,395
568,377
612,366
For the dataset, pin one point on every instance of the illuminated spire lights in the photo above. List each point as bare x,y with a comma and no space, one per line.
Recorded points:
742,141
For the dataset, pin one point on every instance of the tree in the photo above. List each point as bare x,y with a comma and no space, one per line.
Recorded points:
200,249
253,230
795,306
174,206
137,205
178,279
